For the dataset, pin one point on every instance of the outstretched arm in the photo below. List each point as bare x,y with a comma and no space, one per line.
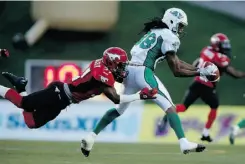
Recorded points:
111,93
234,73
178,67
145,93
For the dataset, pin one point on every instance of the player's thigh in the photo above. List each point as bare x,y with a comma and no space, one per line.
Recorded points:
163,99
44,99
146,78
210,97
143,77
192,94
121,108
36,100
41,117
129,88
130,82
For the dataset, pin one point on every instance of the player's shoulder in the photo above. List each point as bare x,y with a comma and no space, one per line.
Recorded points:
101,73
170,40
208,53
219,59
169,36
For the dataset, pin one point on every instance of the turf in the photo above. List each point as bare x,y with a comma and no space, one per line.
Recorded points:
32,152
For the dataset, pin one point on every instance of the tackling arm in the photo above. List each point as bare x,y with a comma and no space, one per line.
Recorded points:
111,93
178,68
234,73
144,94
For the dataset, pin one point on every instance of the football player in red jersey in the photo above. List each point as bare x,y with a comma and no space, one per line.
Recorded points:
219,53
42,106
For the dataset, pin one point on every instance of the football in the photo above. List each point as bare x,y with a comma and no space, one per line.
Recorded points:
215,70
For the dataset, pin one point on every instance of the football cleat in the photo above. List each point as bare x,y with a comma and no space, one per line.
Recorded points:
232,136
206,138
84,145
87,144
190,147
19,83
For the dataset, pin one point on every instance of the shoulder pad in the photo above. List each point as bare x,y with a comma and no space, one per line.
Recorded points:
221,60
170,41
207,53
104,75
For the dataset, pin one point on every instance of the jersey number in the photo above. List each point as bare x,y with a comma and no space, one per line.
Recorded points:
147,41
83,74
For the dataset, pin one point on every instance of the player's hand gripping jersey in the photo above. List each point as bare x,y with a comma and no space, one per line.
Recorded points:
220,60
151,49
90,83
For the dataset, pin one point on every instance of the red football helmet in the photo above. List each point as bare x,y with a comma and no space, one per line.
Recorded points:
221,43
116,60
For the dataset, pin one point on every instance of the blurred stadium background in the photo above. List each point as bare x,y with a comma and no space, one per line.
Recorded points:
56,40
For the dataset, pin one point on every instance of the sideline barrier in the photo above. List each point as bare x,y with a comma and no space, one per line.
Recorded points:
73,123
193,122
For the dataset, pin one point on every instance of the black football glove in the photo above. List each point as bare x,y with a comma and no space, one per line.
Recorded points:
4,53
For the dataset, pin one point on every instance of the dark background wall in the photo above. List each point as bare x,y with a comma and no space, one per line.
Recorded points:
55,44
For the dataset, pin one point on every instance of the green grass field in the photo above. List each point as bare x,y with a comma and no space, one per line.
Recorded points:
32,152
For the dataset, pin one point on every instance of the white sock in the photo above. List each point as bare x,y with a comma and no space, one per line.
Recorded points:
93,134
23,94
236,130
183,141
205,132
3,91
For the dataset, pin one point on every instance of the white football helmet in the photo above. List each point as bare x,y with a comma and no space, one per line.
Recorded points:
175,19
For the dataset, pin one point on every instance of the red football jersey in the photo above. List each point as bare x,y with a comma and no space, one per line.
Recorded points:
220,60
90,83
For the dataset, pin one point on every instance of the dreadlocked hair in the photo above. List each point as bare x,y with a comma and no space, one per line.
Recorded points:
155,23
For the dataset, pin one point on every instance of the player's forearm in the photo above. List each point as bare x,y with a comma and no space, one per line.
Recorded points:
187,66
111,93
238,75
234,73
186,73
129,98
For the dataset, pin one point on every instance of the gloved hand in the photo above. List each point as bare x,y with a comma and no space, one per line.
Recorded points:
147,93
208,71
4,53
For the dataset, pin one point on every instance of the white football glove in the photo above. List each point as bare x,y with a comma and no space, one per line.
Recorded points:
208,71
